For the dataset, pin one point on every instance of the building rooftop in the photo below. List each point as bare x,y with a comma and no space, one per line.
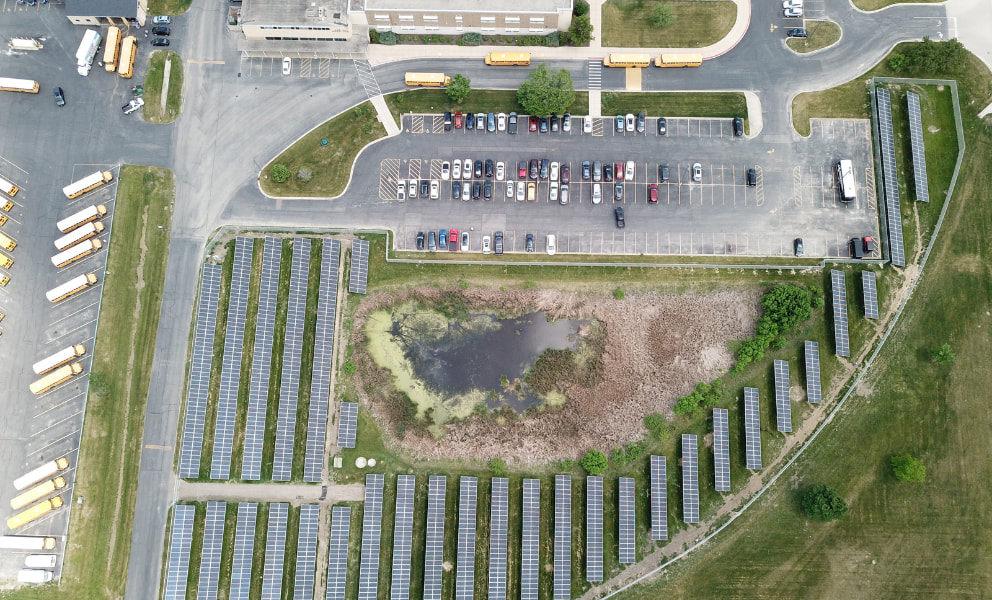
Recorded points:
101,8
329,13
475,6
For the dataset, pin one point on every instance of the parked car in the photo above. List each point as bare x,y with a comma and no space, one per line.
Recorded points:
663,173
631,168
478,169
618,170
608,172
160,42
160,31
619,124
738,127
498,242
435,189
425,187
630,122
551,246
453,240
412,189
587,124
470,121
618,214
401,190
490,167
563,195
554,123
487,189
447,120
456,170
512,123
432,241
793,12
752,177
797,245
442,239
532,126
486,244
653,193
456,190
59,97
529,243
586,170
467,168
445,170
459,118
522,169
796,32
543,173
553,174
597,193
500,171
553,192
420,240
662,126
542,123
476,190
133,105
697,172
520,191
533,168
480,121
501,122
640,122
509,189
565,173
490,122
464,247
531,191
466,191
617,192
597,170
566,123
161,20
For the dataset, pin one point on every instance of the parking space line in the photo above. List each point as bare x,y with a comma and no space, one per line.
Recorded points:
57,423
435,168
57,406
413,168
870,188
389,171
306,65
70,315
75,329
55,442
759,187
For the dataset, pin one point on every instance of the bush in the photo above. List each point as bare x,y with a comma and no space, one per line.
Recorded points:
823,503
619,294
908,469
785,306
472,39
304,174
594,462
629,453
552,366
459,88
661,16
349,367
373,36
553,39
581,8
498,467
704,396
943,355
388,38
279,173
658,427
580,31
898,62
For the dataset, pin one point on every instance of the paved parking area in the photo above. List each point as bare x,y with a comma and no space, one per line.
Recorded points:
303,67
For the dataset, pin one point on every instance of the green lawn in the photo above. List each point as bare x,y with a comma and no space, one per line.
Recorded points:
694,24
168,7
496,101
677,104
154,80
820,35
877,4
330,165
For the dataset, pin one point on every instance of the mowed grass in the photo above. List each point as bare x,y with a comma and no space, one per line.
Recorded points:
694,24
331,165
820,35
884,547
153,111
425,101
168,7
677,104
877,4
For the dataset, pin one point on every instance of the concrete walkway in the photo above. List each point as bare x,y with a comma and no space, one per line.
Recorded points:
385,117
271,492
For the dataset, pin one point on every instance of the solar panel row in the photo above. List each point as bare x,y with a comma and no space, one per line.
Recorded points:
177,569
626,537
275,551
213,545
562,588
919,152
258,388
347,424
323,344
359,267
434,539
200,363
403,537
292,354
812,352
465,562
783,406
306,552
752,429
230,373
244,548
594,528
870,294
499,507
368,572
530,539
659,498
838,292
721,449
337,550
690,479
889,176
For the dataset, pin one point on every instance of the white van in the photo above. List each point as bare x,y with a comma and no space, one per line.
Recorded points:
551,244
34,576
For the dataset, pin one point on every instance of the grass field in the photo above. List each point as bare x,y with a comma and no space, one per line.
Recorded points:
694,24
496,101
820,35
877,4
330,165
677,104
153,110
168,7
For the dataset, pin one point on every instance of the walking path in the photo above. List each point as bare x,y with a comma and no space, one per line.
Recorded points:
385,117
272,492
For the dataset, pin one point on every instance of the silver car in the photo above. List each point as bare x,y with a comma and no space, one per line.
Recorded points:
697,172
466,191
467,169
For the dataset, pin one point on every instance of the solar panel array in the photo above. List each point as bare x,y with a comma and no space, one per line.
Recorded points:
919,153
721,450
530,560
347,424
752,429
498,509
465,563
812,351
292,354
177,571
275,551
870,293
244,548
261,364
434,544
323,345
594,528
230,373
838,291
783,405
690,479
626,538
563,538
213,545
200,363
890,178
359,267
403,537
306,552
337,551
659,498
368,572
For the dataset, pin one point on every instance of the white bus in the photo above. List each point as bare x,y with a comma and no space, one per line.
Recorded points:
87,183
81,218
70,287
28,86
8,188
77,235
844,171
76,252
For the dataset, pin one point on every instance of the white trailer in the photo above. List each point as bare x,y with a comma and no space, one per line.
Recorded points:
27,542
40,561
90,213
87,51
45,471
34,576
77,235
21,43
58,359
76,252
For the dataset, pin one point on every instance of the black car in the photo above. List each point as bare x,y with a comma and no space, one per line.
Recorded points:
512,124
543,173
447,120
619,216
498,242
798,245
489,167
533,168
476,190
543,125
797,32
530,242
470,121
425,188
420,240
487,190
160,31
640,122
618,193
478,168
59,97
564,173
554,123
662,126
160,42
663,173
752,177
456,190
738,127
607,172
586,170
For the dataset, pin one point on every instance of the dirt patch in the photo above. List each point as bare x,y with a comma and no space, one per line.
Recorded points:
657,348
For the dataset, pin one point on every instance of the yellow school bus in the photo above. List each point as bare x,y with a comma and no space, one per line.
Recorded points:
679,60
508,58
427,79
627,60
113,50
128,49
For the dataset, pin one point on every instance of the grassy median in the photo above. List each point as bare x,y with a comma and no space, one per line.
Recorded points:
820,35
718,105
484,101
154,112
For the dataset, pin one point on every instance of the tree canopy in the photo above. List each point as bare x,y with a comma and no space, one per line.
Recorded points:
546,92
459,88
908,468
823,503
594,462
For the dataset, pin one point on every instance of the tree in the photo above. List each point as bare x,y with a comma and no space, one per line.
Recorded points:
823,503
279,173
580,31
594,462
943,355
581,8
662,15
546,92
459,88
907,468
787,306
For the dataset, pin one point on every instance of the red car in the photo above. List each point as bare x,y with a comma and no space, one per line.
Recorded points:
522,169
453,236
533,124
458,120
653,193
618,169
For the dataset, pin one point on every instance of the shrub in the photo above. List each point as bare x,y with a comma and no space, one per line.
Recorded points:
785,307
908,469
349,367
459,88
823,503
373,36
594,462
898,62
581,8
943,355
619,294
367,128
553,39
279,173
705,395
472,39
658,427
629,453
388,38
304,174
498,467
580,31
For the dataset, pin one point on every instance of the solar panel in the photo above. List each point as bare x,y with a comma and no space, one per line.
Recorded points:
892,211
258,389
275,551
306,552
594,528
177,571
403,537
213,545
368,573
530,559
323,345
465,562
752,429
812,350
838,291
244,548
626,538
200,363
783,406
871,294
337,550
690,479
563,538
659,498
347,424
359,267
498,509
230,372
292,354
434,544
919,153
721,450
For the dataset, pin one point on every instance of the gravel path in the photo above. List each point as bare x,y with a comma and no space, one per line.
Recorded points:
272,492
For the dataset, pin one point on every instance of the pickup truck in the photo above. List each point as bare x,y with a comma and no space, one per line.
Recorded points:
133,105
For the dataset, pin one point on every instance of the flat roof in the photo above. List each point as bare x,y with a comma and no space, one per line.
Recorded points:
472,6
295,12
101,8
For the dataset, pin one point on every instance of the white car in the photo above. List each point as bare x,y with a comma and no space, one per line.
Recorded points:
162,20
552,248
520,191
400,190
486,244
794,11
554,172
500,171
630,121
133,105
445,170
629,175
587,124
480,121
464,247
413,189
697,172
563,195
435,189
509,190
287,66
466,191
456,170
467,169
553,193
597,193
792,4
501,122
